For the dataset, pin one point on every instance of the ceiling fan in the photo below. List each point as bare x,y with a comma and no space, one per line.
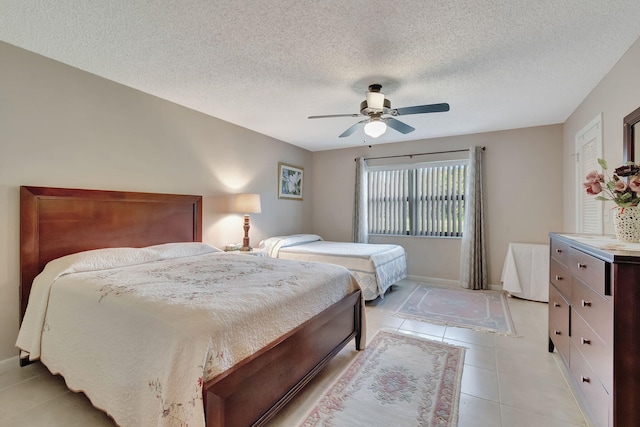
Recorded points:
379,114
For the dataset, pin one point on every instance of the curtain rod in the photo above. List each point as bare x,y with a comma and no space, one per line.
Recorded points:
419,154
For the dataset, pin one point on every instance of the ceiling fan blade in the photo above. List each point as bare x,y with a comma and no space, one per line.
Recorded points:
398,125
420,109
335,115
352,129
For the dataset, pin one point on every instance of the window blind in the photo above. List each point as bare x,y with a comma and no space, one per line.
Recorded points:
419,201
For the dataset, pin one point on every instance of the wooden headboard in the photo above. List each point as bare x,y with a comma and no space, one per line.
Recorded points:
59,221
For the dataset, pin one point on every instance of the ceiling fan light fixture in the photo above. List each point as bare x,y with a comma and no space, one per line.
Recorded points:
375,100
375,128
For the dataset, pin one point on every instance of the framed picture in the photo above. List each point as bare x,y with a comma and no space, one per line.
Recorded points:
290,181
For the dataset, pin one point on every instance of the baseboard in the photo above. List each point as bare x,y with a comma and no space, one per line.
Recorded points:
446,282
495,287
9,363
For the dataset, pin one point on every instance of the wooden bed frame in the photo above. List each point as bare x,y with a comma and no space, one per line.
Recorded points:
55,222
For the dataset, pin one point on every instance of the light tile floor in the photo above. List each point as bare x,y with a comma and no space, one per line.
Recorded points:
506,382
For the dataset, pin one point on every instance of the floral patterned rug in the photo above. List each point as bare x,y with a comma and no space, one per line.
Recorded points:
481,310
398,380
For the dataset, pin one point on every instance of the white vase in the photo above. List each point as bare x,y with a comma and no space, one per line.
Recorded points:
626,223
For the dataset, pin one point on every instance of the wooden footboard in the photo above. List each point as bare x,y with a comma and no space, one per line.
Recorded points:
252,392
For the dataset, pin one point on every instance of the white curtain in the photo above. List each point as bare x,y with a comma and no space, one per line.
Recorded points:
360,219
473,262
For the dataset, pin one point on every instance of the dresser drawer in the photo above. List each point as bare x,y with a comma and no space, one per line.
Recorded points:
598,401
592,271
595,351
596,310
560,276
560,251
559,313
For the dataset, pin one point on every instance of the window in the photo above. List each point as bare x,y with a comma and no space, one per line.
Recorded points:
419,200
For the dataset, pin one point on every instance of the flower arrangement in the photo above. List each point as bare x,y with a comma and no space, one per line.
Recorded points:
622,193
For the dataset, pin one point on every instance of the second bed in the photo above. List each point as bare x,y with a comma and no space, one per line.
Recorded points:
376,266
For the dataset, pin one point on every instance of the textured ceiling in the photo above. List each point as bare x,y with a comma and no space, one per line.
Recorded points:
267,65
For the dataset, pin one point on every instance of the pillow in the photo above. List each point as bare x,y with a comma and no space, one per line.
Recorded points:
290,240
100,259
182,249
272,245
94,260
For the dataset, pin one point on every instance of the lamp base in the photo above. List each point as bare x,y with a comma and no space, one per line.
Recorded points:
245,241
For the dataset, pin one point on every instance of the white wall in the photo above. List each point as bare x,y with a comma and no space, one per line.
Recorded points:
62,127
522,186
617,95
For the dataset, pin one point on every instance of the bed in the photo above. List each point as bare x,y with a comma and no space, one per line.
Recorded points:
113,257
376,266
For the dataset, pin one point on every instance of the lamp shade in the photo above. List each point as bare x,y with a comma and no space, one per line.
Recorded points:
246,203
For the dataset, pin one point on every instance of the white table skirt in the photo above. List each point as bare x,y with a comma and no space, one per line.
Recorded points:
525,273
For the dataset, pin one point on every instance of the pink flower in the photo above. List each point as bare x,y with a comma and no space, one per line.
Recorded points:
620,186
594,176
593,188
634,184
593,182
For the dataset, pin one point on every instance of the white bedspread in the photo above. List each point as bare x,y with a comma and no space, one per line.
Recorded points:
140,330
376,266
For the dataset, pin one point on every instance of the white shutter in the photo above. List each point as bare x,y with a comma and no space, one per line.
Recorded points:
588,150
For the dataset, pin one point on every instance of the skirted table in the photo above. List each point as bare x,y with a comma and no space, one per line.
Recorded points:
525,273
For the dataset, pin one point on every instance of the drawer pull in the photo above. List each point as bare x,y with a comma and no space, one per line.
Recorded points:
558,251
586,303
558,277
555,304
581,265
585,341
585,379
557,332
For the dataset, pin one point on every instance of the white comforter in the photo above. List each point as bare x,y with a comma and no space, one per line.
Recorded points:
140,330
376,266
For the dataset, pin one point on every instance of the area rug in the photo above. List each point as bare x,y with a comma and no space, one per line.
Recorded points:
398,380
480,310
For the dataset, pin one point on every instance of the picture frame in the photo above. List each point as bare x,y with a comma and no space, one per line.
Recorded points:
290,181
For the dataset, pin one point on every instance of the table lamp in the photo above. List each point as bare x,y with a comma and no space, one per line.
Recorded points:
246,204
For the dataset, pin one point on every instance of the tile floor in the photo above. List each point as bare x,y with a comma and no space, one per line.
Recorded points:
507,381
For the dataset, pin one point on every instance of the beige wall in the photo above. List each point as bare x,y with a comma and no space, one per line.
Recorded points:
62,127
522,185
617,95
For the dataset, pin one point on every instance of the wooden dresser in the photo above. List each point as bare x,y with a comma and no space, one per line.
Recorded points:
594,322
